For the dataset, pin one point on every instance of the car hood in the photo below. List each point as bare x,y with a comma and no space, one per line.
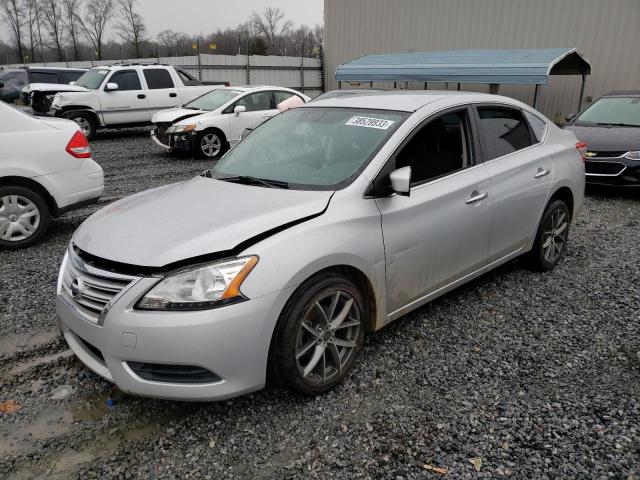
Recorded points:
607,139
196,217
172,115
53,88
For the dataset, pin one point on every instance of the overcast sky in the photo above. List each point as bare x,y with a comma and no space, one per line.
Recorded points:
196,16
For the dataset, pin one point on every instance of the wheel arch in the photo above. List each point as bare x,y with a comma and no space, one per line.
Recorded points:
16,181
80,108
565,194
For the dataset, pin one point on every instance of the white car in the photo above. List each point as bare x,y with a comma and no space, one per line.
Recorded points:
211,124
45,170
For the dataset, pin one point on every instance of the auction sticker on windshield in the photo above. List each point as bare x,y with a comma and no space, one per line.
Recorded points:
370,122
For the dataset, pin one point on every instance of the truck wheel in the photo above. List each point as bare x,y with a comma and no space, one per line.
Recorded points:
210,144
85,121
24,217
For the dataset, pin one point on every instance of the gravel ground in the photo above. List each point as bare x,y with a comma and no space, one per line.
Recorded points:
516,374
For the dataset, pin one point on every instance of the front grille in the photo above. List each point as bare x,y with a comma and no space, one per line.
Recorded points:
606,154
158,372
604,168
91,289
162,135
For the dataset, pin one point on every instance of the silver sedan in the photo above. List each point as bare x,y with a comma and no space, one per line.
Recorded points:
323,225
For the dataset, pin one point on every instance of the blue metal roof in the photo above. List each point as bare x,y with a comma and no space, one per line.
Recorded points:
530,66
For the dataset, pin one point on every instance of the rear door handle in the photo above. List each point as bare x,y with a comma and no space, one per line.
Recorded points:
476,197
173,94
542,173
267,115
141,96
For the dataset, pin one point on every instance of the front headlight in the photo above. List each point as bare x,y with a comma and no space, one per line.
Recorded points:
200,288
633,155
181,128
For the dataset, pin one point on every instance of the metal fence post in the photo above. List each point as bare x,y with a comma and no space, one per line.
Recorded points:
323,84
302,68
199,61
248,64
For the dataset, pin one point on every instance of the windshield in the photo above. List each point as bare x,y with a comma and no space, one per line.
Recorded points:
613,111
311,148
92,79
212,100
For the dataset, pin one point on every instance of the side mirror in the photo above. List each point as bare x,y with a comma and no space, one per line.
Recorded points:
73,82
111,86
401,181
239,109
570,117
245,132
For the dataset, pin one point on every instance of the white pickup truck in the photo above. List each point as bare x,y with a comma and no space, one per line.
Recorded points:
117,96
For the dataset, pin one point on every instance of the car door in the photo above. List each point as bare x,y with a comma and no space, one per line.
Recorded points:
521,171
161,90
259,107
127,104
440,232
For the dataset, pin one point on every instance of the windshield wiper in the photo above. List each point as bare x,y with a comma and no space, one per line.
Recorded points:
616,125
249,180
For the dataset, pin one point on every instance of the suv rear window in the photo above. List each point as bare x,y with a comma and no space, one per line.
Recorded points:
503,130
158,78
44,77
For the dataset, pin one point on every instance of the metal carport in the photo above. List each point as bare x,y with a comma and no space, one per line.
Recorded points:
494,67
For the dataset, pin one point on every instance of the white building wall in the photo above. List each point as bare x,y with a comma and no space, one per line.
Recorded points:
604,31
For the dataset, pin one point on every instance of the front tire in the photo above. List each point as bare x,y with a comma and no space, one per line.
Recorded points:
85,122
24,217
319,335
210,144
551,239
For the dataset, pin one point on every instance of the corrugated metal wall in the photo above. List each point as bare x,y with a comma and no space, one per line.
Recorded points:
263,70
604,31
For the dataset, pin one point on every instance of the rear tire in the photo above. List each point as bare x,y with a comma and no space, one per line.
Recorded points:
551,238
24,217
85,121
319,335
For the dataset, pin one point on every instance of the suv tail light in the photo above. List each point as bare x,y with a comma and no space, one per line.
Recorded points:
78,146
582,149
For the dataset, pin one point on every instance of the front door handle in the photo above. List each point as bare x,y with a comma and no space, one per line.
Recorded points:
267,115
142,96
173,94
542,173
476,197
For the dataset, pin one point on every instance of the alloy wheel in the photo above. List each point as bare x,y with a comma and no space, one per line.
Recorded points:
19,218
555,235
84,124
210,144
327,337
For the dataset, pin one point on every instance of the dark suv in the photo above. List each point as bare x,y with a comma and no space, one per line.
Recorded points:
13,79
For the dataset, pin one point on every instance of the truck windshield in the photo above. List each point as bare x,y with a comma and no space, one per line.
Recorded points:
92,79
310,148
623,111
212,100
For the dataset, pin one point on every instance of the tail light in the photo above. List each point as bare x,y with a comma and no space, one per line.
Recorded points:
78,146
582,149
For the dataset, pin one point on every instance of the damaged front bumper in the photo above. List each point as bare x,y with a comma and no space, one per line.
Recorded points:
171,142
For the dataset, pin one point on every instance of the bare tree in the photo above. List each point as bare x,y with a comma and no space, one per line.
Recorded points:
53,20
131,27
94,23
12,15
168,39
71,9
272,25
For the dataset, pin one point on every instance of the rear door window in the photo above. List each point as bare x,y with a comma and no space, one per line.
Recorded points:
44,77
503,130
158,78
281,96
538,126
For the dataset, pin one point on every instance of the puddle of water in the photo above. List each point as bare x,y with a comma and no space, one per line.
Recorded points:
24,366
21,341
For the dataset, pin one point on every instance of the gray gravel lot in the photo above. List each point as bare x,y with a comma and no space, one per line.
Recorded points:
529,375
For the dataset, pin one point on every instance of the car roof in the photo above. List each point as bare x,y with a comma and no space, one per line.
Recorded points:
54,69
399,100
623,93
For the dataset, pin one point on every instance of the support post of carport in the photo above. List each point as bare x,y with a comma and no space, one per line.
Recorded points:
584,81
535,96
339,84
